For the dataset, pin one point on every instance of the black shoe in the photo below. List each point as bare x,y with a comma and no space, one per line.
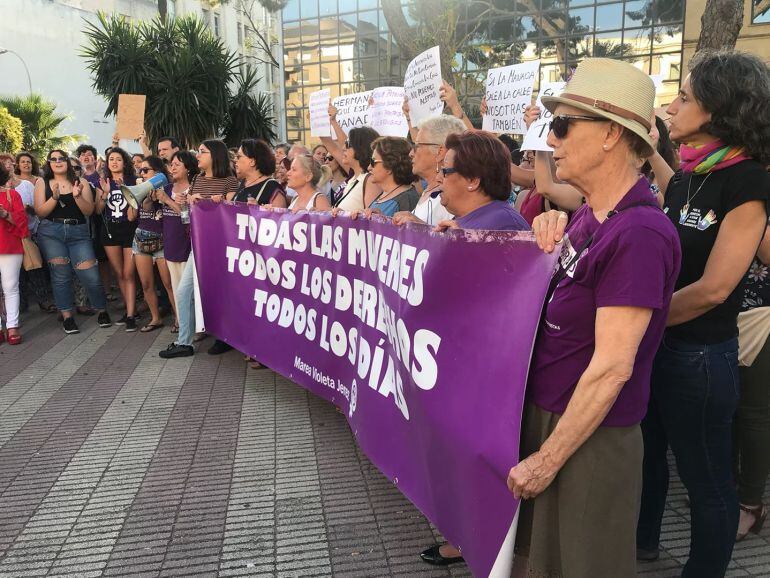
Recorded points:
122,320
433,556
104,319
219,348
645,555
70,326
130,324
175,350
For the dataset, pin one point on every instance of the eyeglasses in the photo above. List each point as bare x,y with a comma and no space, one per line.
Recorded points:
560,124
417,145
448,171
203,152
374,162
56,159
144,171
328,158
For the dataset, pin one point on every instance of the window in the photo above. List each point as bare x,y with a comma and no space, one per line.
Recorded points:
240,34
216,25
760,12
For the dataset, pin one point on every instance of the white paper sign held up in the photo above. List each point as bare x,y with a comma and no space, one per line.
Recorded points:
538,130
509,90
352,110
422,82
319,113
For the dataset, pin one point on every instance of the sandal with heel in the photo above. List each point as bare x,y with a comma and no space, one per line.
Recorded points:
760,515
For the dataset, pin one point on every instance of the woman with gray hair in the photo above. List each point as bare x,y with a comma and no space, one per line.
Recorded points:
581,444
427,153
306,176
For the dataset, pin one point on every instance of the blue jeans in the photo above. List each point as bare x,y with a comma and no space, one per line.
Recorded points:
694,396
73,246
185,305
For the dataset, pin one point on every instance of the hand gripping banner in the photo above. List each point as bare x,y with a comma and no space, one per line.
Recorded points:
422,339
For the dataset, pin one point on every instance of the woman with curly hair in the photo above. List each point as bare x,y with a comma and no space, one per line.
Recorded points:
27,167
717,202
391,170
119,225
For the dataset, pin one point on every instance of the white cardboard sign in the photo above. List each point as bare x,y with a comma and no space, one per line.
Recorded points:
422,83
538,130
509,91
319,113
353,110
386,111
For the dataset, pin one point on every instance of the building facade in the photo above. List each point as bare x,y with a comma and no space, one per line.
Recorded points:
48,36
346,46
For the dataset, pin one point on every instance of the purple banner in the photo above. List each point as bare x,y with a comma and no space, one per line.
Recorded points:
422,339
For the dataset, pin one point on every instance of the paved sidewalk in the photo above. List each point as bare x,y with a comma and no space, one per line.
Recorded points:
114,462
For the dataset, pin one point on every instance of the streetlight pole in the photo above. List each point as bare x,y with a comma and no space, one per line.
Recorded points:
29,78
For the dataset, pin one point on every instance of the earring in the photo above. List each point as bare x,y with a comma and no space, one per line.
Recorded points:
438,168
604,147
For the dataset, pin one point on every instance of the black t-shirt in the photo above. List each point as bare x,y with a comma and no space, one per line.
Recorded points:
263,191
66,207
698,226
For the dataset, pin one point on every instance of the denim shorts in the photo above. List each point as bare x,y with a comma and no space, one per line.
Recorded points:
143,235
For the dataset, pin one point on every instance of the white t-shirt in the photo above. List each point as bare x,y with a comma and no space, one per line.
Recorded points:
432,211
352,198
26,191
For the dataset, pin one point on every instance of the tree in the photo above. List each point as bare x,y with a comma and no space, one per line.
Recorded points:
11,133
248,116
40,123
182,68
720,24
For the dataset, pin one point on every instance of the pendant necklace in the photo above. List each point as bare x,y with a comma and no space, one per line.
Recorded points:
686,208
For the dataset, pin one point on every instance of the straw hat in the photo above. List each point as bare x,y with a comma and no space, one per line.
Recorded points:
611,89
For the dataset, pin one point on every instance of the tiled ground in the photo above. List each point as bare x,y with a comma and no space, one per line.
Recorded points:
114,462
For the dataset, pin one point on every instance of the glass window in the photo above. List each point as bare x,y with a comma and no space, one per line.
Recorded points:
527,27
667,38
291,11
581,20
760,12
609,45
367,22
636,14
639,41
669,11
328,7
309,9
609,17
347,5
364,4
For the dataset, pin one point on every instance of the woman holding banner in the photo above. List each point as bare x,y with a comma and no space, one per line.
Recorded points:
254,165
427,153
581,444
306,175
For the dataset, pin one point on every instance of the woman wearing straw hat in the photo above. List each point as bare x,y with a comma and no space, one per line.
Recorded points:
718,204
581,446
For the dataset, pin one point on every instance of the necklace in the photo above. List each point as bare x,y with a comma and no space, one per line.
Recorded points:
384,196
686,208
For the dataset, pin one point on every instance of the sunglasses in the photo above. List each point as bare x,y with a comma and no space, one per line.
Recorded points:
560,124
57,159
144,171
448,171
374,162
328,158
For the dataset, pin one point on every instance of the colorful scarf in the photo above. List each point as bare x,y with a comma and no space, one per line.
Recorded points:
711,157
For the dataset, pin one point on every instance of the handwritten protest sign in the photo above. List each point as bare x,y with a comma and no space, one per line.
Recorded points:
130,121
376,319
422,82
319,113
386,113
352,110
538,130
508,92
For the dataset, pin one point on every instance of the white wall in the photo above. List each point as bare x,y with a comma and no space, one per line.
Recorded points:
48,34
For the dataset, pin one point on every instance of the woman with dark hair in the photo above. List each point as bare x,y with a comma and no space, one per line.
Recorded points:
176,235
63,202
215,178
717,202
355,156
254,165
148,244
27,167
118,227
136,160
13,228
391,171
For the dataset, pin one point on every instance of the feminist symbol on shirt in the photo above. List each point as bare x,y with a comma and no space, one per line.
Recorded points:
116,203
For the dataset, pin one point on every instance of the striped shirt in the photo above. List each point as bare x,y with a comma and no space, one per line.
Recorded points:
209,186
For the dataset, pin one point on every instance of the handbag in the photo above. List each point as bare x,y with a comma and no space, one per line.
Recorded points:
32,257
148,242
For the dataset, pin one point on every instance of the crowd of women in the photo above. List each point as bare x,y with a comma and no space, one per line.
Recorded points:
664,260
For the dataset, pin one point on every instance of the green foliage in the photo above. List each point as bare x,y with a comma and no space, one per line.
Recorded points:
182,68
40,123
249,116
11,132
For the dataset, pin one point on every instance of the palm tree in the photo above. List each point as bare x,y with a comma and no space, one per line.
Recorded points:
40,121
248,116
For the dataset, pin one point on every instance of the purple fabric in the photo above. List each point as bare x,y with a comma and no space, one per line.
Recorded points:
428,372
494,216
176,235
152,219
633,260
93,180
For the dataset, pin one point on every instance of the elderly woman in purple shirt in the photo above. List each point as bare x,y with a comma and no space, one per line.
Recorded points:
581,446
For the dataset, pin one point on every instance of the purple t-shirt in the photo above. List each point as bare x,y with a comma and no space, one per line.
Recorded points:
116,207
151,219
176,235
494,216
93,180
633,261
